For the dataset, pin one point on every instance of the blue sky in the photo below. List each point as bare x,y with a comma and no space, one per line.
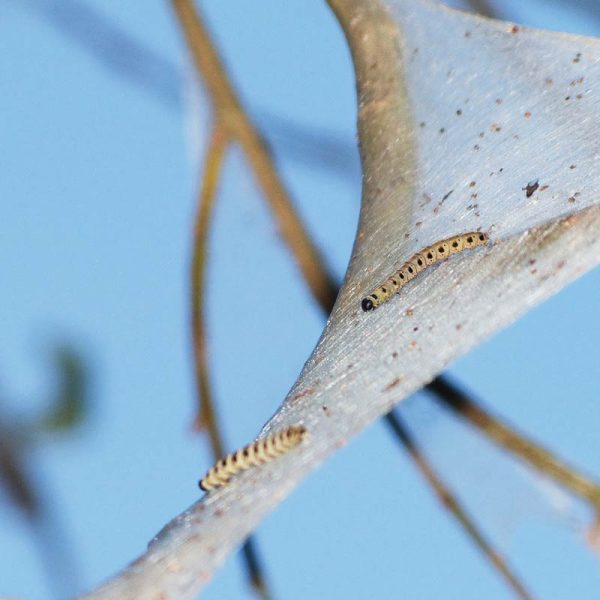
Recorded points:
97,187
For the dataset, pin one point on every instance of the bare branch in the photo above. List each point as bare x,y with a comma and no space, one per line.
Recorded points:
205,416
255,569
541,459
229,110
450,502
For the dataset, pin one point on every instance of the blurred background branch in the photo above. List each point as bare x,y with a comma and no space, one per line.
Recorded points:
541,459
451,503
113,47
68,407
229,111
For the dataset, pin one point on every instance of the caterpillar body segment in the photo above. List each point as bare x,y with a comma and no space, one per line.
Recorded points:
253,455
442,250
421,260
429,256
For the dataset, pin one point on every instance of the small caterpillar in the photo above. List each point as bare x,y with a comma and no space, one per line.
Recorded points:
421,260
261,451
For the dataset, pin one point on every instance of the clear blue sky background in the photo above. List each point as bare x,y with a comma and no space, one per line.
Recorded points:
98,176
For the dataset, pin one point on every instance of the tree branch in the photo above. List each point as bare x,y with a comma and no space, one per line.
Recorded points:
450,502
536,456
205,416
229,110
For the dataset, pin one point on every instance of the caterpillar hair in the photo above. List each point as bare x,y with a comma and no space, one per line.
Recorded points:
261,451
421,260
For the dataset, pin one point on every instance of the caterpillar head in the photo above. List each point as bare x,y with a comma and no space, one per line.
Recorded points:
367,304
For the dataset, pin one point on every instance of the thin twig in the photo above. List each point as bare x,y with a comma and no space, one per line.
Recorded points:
206,416
238,125
535,455
255,570
451,503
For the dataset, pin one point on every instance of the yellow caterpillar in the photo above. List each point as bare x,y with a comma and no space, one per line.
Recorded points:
421,260
261,451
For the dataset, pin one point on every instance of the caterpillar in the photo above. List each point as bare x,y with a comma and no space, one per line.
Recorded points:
421,260
261,451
